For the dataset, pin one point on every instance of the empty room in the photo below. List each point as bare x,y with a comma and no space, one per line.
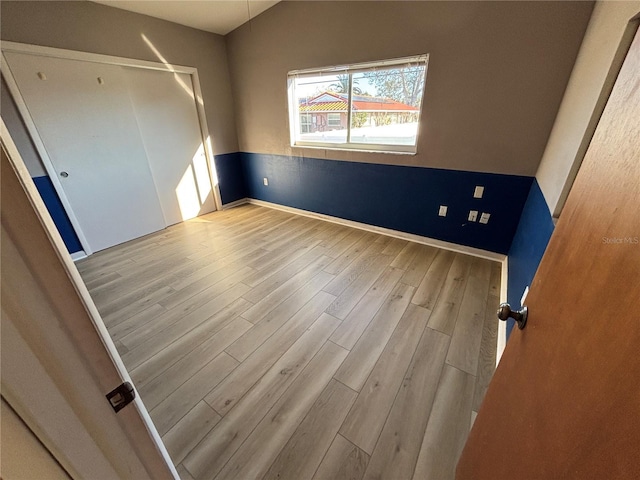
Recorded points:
320,239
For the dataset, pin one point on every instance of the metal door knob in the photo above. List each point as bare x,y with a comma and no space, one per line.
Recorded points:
64,174
520,316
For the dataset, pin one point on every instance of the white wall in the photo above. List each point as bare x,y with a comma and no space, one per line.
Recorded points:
575,120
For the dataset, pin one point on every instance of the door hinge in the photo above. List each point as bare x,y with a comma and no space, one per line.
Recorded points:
121,396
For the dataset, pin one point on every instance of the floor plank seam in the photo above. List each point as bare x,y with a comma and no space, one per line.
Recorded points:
344,384
392,403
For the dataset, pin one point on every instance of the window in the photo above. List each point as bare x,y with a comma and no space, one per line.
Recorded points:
305,123
369,106
333,120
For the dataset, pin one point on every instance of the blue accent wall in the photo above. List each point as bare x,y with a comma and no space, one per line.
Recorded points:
231,177
57,212
529,243
396,197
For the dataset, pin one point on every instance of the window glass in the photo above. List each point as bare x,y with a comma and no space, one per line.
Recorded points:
316,98
375,106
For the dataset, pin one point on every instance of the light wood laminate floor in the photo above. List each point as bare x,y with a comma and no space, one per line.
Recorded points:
271,345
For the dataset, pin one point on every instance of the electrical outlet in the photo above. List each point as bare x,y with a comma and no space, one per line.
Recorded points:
265,180
484,218
443,211
478,192
473,215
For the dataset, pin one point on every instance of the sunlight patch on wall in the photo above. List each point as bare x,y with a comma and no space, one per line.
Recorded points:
187,88
214,173
187,194
201,171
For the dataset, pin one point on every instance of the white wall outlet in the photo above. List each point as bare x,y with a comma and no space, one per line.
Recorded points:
473,215
443,211
478,192
265,180
484,218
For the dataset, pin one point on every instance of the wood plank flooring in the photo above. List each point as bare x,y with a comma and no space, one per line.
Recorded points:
269,345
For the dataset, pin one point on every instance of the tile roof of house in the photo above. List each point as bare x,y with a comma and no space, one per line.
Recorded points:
337,102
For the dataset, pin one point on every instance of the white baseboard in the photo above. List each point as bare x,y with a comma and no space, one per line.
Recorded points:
476,252
78,255
237,203
502,326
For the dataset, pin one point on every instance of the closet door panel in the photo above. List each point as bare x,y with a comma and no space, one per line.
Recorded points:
165,106
85,118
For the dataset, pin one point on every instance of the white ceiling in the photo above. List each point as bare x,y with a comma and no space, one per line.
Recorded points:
212,16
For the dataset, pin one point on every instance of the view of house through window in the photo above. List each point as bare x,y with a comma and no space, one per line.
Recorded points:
373,106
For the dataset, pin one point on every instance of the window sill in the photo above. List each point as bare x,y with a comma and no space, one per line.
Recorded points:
363,149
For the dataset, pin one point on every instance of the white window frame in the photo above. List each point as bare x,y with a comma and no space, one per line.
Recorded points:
294,108
308,124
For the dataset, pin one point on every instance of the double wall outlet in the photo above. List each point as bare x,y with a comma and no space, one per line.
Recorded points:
478,192
484,218
443,211
265,180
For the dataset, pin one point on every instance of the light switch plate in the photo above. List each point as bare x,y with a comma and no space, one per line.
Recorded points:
265,180
473,215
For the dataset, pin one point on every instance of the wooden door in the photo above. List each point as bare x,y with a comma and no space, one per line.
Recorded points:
565,400
85,118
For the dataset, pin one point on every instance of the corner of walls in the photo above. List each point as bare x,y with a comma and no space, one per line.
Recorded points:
528,246
592,77
603,49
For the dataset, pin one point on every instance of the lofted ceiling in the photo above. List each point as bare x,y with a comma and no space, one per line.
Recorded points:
215,16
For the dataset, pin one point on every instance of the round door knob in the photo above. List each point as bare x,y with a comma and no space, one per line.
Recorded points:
520,316
64,174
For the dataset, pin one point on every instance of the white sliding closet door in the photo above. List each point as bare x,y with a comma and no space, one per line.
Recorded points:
85,118
165,106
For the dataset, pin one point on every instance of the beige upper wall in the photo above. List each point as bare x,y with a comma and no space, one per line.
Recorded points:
497,73
570,135
22,454
89,27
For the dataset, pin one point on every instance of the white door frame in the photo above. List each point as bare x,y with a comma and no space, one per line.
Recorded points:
109,60
58,361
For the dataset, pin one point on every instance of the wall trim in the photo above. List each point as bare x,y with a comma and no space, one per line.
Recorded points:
237,203
44,51
476,252
75,256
